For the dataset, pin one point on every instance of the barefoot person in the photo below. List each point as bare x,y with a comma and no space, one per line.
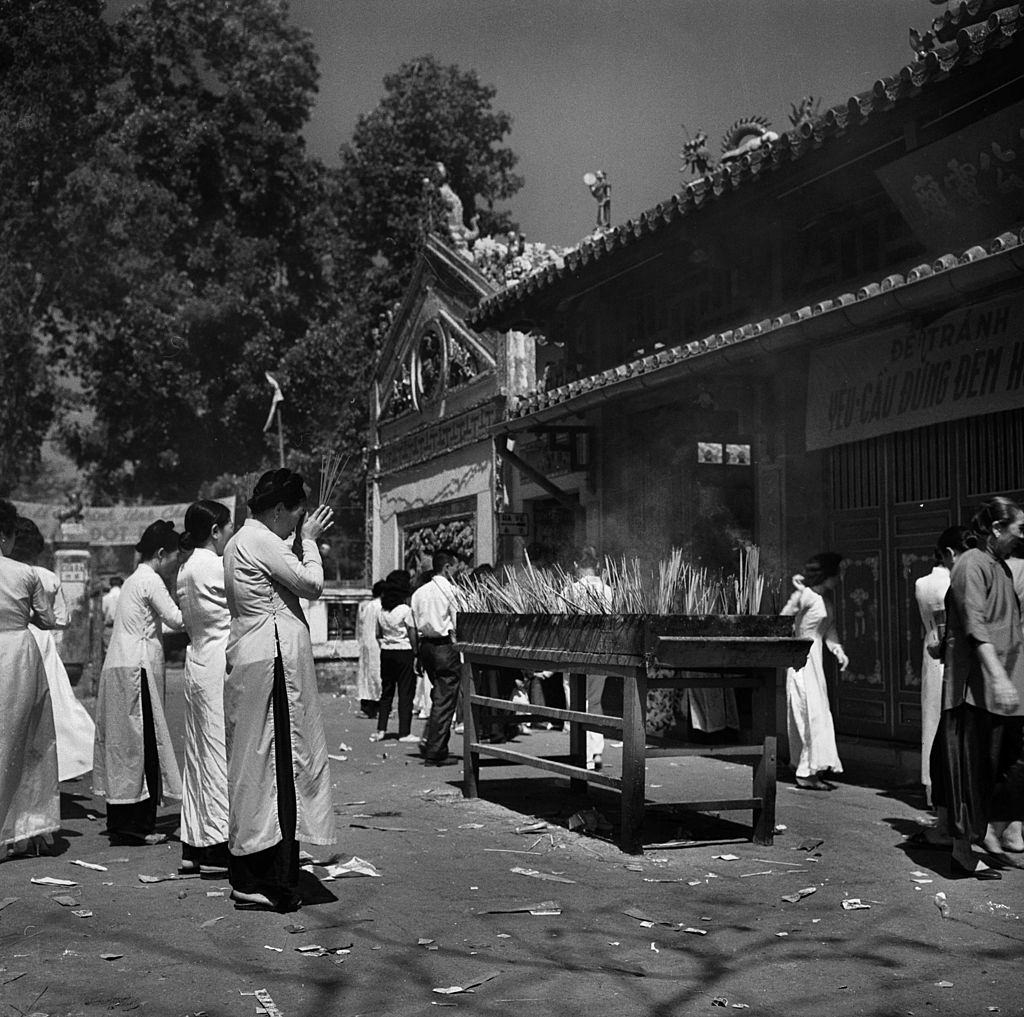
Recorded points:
204,610
980,778
279,779
812,737
29,803
133,761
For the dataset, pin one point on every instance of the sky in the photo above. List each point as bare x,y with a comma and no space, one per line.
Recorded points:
608,84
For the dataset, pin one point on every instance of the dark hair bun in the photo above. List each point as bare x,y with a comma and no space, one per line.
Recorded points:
158,536
820,567
277,487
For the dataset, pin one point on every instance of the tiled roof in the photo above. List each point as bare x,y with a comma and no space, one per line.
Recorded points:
570,392
966,46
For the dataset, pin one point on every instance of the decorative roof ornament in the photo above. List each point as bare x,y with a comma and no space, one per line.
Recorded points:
746,135
804,112
452,226
696,156
602,192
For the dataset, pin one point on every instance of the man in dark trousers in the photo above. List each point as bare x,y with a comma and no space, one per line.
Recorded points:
434,610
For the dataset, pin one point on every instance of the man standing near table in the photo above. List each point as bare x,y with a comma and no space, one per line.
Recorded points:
434,610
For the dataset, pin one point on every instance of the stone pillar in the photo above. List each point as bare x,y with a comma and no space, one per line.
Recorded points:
73,565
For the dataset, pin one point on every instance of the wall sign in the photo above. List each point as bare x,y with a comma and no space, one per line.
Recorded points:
513,524
967,185
967,363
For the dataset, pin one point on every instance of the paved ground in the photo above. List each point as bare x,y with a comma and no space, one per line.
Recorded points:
182,949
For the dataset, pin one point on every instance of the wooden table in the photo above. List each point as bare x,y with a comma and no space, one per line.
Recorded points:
634,648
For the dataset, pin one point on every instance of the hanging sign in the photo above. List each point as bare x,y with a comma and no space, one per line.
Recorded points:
513,524
964,364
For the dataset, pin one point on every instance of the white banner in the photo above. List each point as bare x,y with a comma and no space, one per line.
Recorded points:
117,526
964,364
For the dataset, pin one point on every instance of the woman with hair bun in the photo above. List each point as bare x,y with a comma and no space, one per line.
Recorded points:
979,774
812,737
75,729
279,781
133,762
204,610
29,802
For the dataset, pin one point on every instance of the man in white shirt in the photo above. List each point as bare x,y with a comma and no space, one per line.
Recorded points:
434,610
110,599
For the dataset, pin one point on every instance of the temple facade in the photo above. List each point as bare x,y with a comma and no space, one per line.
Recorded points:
818,343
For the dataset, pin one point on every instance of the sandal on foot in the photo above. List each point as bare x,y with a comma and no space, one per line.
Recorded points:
813,784
252,901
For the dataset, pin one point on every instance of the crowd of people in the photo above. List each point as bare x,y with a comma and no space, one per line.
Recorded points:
256,777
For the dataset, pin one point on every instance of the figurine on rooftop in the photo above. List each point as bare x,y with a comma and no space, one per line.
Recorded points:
602,192
746,136
696,155
804,112
458,233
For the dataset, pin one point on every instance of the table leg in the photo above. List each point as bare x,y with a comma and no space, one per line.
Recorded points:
765,728
577,734
634,761
470,759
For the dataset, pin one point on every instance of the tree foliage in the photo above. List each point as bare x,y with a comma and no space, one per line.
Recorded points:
429,113
165,238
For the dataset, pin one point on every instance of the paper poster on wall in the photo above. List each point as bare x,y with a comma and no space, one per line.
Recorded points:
966,363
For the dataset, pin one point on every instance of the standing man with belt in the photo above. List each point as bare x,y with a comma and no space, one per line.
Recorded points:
434,610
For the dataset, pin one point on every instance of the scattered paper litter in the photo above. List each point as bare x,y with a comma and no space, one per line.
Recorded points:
342,747
643,918
541,907
942,904
533,873
792,898
294,929
740,1006
353,803
65,900
382,829
111,956
268,1004
167,877
309,948
453,990
781,934
944,985
338,758
693,882
695,932
276,949
654,948
919,879
52,881
82,914
726,858
214,893
355,866
855,904
212,921
89,865
471,826
533,827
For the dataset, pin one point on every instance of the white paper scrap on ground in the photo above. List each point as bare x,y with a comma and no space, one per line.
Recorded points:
855,904
453,990
355,866
540,875
89,865
800,894
52,881
726,858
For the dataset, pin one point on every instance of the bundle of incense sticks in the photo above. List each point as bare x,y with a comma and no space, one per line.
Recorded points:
674,586
332,467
